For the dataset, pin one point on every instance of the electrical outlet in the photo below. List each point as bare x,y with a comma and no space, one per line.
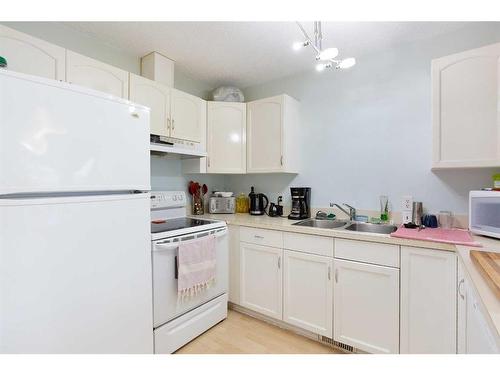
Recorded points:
406,217
407,203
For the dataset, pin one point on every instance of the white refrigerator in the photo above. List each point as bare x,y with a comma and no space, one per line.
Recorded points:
75,261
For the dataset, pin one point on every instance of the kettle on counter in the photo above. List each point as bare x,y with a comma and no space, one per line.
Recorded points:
257,206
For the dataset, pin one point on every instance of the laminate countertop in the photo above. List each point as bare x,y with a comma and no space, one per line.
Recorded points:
488,298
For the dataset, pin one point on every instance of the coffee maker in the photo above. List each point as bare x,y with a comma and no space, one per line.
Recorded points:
301,203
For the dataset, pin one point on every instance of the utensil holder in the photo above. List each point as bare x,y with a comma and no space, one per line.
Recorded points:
198,206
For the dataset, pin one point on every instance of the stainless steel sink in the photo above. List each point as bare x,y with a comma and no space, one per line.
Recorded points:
328,224
372,228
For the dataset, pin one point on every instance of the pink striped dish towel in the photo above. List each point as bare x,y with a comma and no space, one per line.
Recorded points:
196,266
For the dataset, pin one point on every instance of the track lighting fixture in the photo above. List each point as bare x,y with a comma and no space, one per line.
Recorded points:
326,56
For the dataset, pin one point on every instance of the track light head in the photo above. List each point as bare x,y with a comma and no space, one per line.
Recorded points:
299,45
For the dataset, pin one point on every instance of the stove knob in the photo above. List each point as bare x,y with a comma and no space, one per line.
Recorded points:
174,197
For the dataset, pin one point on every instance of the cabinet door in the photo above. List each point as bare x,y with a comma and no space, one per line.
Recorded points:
308,292
155,96
265,135
26,54
261,279
428,301
478,335
188,116
366,306
461,310
84,71
226,137
466,98
234,263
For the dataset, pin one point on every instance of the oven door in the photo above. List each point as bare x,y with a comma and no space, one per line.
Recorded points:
166,304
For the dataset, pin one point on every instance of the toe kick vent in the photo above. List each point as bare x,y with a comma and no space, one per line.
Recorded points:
347,348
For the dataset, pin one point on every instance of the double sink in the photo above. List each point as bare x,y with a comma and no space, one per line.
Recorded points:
348,225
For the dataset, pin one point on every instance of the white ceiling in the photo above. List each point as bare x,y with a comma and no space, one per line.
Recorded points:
248,53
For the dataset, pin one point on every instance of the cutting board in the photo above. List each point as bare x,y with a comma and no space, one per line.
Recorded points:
452,236
489,265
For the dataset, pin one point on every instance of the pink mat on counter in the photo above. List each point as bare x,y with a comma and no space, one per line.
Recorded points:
453,236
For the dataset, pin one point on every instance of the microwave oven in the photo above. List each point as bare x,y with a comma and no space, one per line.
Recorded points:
484,213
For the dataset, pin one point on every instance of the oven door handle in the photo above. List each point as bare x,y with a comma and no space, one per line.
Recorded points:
221,233
172,246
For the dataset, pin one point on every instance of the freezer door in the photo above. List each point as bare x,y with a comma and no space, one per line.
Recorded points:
75,275
57,137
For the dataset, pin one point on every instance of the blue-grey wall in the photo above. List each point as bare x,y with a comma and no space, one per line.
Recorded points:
367,131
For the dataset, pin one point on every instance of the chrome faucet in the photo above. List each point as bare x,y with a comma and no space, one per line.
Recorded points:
351,213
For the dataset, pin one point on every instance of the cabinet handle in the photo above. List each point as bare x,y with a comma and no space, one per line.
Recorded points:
281,160
208,160
173,124
279,262
329,273
259,237
168,123
336,275
134,114
460,289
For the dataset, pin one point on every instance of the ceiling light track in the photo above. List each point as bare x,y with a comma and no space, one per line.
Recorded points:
326,56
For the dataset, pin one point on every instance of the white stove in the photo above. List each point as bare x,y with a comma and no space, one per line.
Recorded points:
168,216
176,321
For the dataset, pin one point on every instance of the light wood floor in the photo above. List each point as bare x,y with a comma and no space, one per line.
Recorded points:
242,334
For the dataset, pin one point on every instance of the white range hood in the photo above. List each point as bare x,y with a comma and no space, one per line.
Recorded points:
184,151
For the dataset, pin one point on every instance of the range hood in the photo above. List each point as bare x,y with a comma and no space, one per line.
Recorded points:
185,149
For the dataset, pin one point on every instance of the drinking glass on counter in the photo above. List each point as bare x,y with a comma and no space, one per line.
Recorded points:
445,219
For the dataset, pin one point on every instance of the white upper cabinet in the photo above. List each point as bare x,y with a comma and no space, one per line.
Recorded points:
84,71
188,116
366,306
308,292
466,109
428,301
273,139
226,137
156,96
26,54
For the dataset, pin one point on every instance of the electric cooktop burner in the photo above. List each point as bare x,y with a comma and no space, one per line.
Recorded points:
178,223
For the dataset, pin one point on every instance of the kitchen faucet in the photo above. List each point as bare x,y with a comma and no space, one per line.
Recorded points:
351,213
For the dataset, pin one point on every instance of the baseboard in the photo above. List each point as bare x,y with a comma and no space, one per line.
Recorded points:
299,331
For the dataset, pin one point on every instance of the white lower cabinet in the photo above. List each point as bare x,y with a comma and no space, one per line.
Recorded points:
308,292
366,306
479,338
474,333
261,279
428,301
234,263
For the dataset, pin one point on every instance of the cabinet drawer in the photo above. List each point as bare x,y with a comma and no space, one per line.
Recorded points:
368,252
261,236
308,244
